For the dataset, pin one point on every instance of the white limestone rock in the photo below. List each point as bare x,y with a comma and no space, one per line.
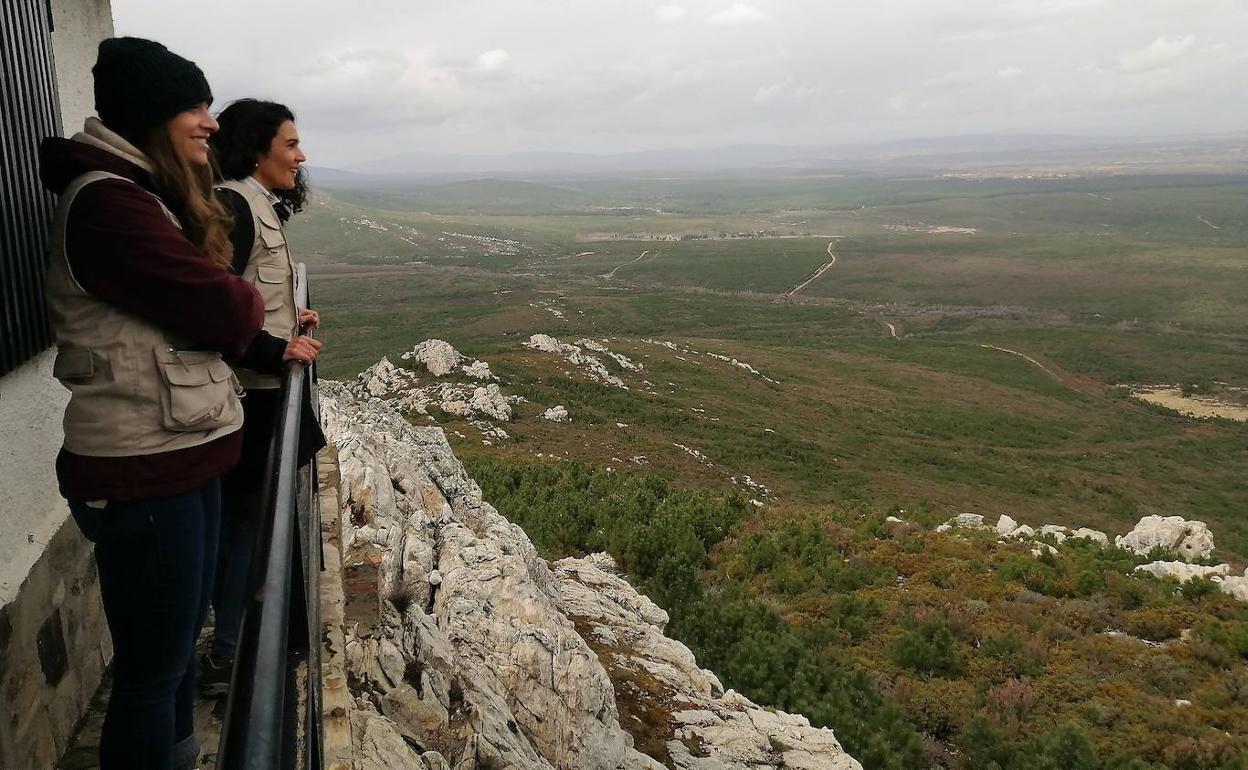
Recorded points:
490,402
1055,531
1006,525
435,761
438,356
1190,539
591,366
379,745
624,361
557,414
478,370
1083,533
732,731
963,521
1182,571
1233,585
384,378
498,663
1023,532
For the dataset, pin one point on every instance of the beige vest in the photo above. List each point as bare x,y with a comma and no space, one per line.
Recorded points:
133,389
272,272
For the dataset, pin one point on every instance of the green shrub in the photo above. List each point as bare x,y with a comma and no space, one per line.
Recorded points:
1003,646
1198,589
928,649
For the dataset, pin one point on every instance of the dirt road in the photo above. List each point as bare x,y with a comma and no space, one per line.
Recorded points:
626,264
1027,358
831,261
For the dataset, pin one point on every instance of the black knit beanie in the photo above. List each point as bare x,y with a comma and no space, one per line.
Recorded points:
140,84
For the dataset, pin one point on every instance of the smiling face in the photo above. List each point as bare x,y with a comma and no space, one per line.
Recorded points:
278,168
189,132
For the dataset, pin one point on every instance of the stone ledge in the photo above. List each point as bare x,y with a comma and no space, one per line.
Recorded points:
54,648
335,697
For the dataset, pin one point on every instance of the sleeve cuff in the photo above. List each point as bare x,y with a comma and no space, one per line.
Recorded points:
264,354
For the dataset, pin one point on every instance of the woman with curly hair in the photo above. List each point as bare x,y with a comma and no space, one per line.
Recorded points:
259,155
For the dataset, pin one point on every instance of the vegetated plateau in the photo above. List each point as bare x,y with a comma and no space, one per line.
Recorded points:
968,343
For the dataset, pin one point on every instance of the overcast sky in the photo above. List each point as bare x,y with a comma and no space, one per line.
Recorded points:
375,78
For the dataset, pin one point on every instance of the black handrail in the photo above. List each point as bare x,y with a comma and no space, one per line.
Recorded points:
260,730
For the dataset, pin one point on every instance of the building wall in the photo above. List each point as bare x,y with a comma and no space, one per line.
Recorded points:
31,405
31,402
54,642
78,26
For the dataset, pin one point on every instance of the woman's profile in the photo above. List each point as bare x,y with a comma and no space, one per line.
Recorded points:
145,315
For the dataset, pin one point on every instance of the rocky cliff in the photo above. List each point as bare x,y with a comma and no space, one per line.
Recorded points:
465,649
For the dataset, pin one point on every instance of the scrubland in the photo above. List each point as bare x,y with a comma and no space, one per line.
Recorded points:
1023,311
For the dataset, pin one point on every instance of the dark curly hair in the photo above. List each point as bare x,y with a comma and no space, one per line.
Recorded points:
247,130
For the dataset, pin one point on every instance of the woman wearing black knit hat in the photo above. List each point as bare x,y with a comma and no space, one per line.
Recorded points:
144,310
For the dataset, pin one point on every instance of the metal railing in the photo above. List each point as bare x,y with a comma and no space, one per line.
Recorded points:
273,715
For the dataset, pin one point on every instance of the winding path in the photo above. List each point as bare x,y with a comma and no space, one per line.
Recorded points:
625,264
1027,358
819,272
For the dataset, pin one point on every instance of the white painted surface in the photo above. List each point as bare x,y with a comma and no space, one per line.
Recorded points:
31,508
31,402
78,26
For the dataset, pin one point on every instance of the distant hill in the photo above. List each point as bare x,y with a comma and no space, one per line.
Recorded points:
736,156
990,149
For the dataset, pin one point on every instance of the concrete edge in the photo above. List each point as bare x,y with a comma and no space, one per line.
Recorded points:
336,697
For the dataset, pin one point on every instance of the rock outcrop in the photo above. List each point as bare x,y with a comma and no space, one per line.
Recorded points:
466,650
963,521
1234,585
573,354
438,356
621,359
1190,539
1182,571
441,358
557,414
402,389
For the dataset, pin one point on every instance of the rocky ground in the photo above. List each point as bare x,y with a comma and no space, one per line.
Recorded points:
466,650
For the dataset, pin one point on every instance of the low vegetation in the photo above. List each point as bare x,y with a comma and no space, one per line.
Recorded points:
930,371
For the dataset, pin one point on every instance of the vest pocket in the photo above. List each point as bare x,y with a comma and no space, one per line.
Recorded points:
271,273
199,390
73,364
272,237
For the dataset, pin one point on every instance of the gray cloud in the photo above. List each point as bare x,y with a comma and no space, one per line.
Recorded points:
384,77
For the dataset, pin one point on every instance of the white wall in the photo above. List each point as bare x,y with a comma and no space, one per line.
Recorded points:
31,405
31,402
78,26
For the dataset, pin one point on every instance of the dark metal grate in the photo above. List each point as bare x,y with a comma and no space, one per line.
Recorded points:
29,111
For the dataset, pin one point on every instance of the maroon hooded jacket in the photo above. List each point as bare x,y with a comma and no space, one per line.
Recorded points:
123,249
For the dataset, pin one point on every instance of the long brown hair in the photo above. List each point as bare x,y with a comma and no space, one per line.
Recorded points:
187,191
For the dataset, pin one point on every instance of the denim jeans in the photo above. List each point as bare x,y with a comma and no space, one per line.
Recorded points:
156,559
240,518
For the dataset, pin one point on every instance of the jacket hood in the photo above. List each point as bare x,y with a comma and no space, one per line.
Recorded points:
94,149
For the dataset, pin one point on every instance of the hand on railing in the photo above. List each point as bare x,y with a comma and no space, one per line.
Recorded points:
309,320
302,349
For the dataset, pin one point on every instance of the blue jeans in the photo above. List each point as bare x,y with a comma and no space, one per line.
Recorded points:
156,559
